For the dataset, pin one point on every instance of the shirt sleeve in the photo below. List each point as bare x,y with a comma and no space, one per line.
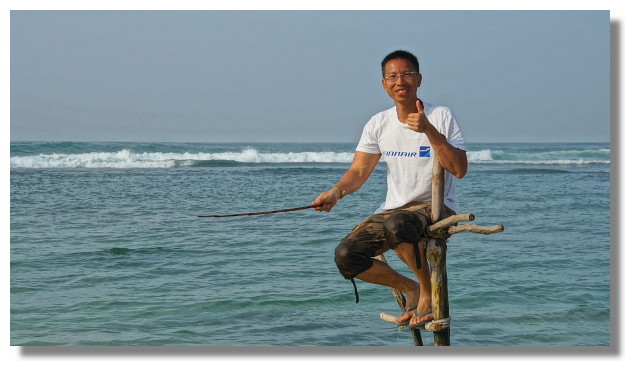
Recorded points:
453,132
368,142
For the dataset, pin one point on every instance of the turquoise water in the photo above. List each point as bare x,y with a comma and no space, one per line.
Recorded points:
106,248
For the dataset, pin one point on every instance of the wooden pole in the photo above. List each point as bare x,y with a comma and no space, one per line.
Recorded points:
438,191
436,255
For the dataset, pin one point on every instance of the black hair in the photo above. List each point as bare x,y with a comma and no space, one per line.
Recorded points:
400,54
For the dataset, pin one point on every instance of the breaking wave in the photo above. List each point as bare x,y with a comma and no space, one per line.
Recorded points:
565,157
127,158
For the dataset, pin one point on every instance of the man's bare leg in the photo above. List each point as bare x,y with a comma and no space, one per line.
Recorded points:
381,273
406,253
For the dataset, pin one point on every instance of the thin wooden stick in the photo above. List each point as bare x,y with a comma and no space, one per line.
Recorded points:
262,212
453,219
476,229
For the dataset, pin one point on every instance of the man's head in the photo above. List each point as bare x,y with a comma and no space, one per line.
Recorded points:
400,54
401,77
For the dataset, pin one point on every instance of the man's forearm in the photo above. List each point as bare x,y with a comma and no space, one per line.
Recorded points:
452,159
351,181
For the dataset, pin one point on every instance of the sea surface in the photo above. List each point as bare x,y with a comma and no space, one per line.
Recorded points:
107,248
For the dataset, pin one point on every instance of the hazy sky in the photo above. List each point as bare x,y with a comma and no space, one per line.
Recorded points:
303,76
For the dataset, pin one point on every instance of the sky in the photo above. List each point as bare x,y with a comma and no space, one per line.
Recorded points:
303,76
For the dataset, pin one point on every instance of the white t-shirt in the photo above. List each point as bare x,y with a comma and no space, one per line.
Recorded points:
409,155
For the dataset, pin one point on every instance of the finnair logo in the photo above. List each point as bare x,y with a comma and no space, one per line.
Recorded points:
424,151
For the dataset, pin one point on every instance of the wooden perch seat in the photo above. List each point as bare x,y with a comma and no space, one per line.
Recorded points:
448,225
449,221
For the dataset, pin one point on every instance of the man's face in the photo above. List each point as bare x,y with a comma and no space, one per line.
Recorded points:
404,88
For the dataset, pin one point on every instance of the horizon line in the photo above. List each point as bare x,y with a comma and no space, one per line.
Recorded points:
272,142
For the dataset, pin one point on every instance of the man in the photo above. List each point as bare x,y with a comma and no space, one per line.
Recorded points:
409,136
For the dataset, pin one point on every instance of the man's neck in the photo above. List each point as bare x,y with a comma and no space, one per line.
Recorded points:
404,109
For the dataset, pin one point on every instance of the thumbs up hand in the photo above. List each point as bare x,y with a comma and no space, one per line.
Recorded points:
419,106
418,121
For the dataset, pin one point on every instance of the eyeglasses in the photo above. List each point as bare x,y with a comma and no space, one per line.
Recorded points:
410,76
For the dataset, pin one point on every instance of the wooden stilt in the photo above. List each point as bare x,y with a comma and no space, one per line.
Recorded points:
438,191
436,255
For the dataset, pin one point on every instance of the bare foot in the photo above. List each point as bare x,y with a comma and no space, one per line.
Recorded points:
423,313
412,297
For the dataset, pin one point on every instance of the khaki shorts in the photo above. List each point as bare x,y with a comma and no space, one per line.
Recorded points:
380,233
372,232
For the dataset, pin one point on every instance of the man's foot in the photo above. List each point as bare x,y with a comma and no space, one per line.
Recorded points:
406,316
420,317
411,300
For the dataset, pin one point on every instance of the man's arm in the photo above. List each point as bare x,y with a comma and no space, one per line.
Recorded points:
362,166
451,158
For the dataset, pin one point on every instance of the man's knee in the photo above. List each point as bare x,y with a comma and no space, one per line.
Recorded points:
404,226
352,258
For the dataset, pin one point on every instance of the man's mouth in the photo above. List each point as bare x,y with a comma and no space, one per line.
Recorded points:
401,92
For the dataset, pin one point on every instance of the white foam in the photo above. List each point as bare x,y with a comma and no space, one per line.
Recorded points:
480,156
127,159
550,162
121,159
577,157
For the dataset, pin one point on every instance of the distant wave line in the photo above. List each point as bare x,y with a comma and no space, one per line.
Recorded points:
128,159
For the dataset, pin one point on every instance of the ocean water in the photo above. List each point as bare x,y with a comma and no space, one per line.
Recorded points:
107,249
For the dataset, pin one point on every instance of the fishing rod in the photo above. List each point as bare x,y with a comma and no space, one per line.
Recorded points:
262,212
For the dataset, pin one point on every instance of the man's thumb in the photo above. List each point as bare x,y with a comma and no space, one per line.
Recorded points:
419,105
